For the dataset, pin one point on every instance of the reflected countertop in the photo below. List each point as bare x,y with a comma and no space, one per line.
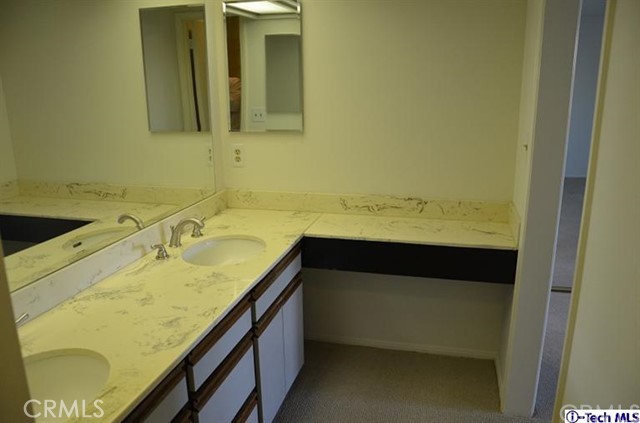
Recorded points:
32,263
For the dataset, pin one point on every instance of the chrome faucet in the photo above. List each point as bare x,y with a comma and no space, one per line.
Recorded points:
128,216
176,231
23,317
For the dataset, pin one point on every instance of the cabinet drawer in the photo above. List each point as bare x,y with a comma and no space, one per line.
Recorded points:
249,411
210,353
275,282
165,402
224,393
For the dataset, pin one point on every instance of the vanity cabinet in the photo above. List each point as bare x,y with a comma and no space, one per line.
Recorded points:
242,370
279,337
221,369
168,402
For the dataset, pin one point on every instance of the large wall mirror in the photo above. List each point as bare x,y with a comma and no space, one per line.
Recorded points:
264,65
175,68
79,168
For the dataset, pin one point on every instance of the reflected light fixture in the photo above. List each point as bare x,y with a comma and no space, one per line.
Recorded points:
262,7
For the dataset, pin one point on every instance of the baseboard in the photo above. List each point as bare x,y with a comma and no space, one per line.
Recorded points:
402,346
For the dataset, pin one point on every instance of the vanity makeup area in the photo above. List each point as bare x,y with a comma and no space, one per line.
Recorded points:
211,331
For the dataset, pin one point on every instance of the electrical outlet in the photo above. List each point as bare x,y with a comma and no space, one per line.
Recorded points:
237,155
210,157
258,114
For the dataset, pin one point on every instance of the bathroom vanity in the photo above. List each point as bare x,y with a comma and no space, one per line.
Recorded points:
196,340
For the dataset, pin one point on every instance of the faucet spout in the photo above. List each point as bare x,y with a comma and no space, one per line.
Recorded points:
176,231
129,216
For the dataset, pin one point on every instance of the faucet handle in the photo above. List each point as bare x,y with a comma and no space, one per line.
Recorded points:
197,231
22,318
162,251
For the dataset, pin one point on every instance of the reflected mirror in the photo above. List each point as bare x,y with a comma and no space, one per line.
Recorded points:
79,168
264,65
175,68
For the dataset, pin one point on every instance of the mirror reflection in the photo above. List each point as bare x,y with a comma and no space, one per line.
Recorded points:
79,168
175,68
264,65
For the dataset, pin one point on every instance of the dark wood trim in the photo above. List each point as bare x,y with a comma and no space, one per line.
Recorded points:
213,382
273,310
146,407
219,331
184,416
271,277
247,408
430,261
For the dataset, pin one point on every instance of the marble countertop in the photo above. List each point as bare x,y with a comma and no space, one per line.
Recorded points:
452,233
145,318
28,265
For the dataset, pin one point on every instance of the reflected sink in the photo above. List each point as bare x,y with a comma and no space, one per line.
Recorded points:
221,251
68,375
96,238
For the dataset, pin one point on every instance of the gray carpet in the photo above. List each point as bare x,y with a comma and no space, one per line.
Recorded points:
568,231
341,383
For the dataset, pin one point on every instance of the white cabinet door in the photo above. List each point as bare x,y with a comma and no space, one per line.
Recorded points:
272,379
293,337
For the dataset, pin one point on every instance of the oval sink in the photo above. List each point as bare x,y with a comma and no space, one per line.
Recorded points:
224,250
65,375
96,238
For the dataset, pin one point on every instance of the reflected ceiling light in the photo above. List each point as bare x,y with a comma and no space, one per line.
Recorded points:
261,7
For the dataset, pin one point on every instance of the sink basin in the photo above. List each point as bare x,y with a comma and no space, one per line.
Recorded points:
96,238
223,251
68,375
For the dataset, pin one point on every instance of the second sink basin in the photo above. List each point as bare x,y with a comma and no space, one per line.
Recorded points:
225,250
65,375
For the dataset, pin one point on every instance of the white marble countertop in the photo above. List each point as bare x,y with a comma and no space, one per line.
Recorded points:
28,265
146,318
452,233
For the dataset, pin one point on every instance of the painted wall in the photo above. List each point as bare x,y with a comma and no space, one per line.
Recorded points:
524,336
526,125
404,313
584,94
75,95
601,364
7,160
528,102
404,98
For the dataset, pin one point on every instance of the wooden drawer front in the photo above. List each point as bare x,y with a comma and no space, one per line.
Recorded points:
222,399
210,361
173,403
165,402
249,411
264,298
253,417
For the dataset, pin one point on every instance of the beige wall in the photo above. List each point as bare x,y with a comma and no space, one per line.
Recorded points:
7,161
601,365
404,98
75,94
